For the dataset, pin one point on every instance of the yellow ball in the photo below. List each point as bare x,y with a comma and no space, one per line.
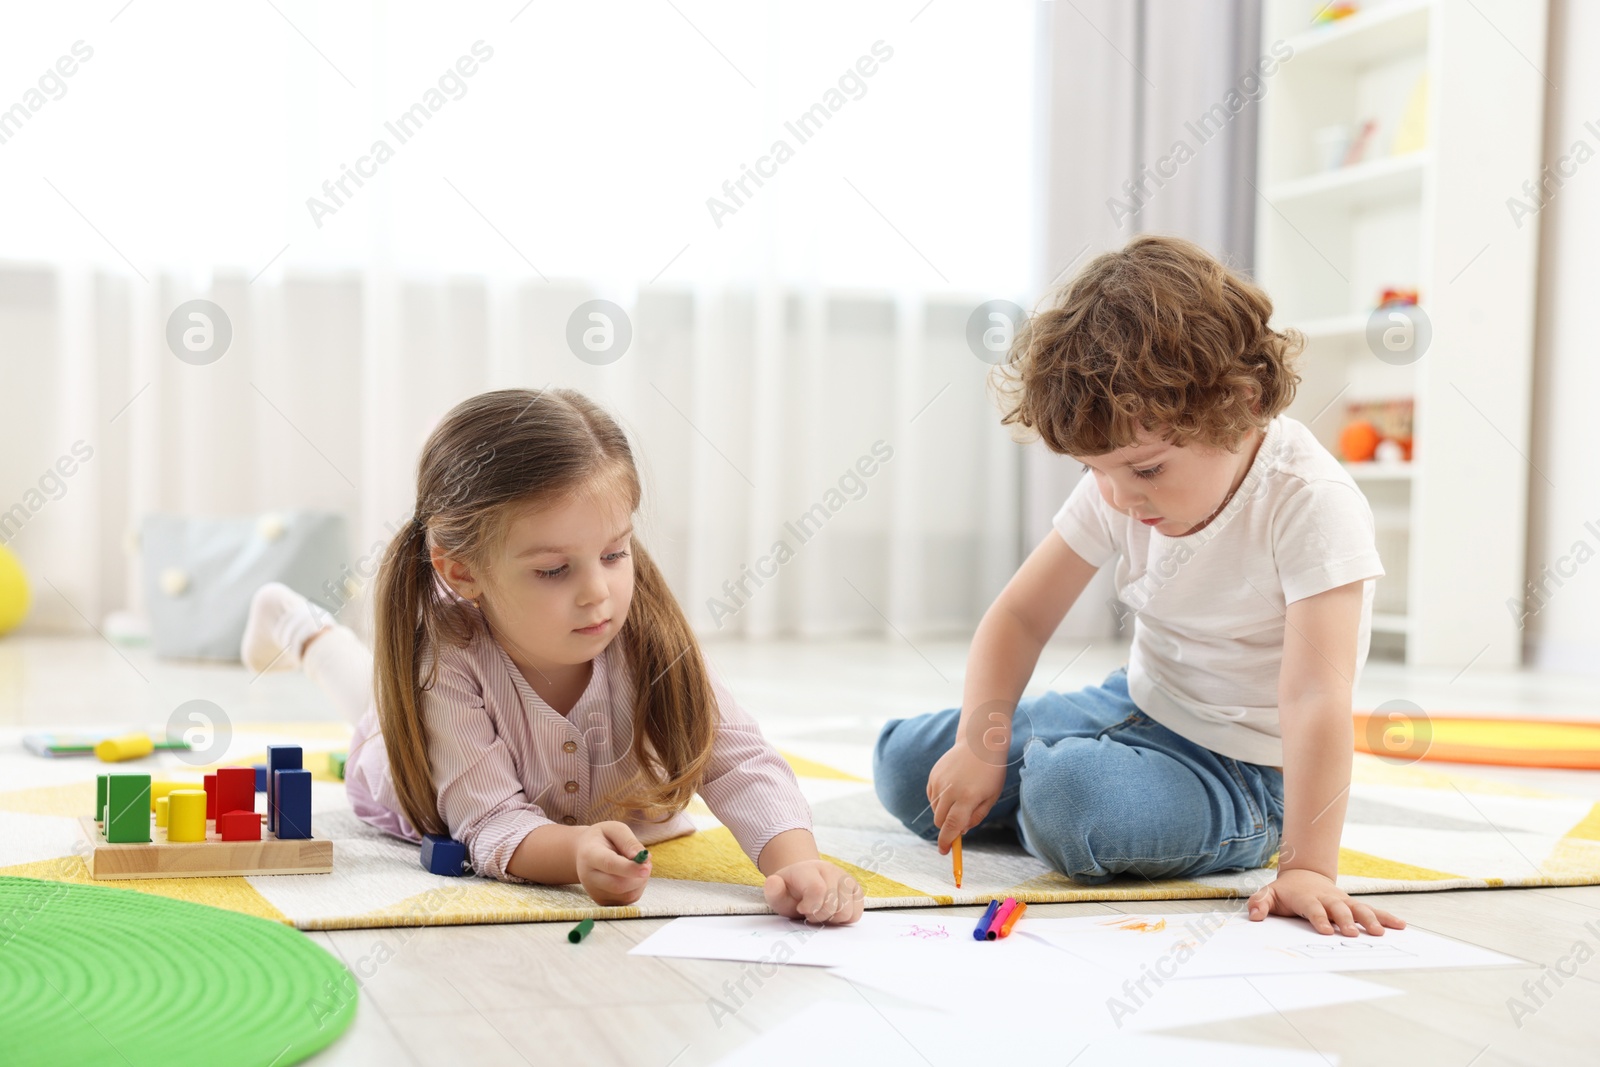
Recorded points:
14,595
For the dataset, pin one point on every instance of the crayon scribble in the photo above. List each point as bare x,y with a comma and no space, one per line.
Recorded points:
927,933
1139,926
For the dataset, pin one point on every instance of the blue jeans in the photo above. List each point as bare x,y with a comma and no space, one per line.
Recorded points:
1096,788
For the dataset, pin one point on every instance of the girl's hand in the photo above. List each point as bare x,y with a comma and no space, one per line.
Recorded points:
816,891
605,864
962,787
1311,895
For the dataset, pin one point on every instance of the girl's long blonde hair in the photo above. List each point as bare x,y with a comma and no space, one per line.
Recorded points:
491,455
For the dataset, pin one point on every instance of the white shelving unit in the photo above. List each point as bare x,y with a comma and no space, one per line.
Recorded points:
1432,216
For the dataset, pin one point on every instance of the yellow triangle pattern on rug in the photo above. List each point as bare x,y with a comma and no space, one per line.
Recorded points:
69,801
481,902
807,768
233,894
705,856
1361,865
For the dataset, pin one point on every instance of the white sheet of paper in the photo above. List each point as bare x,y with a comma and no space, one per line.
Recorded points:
917,1038
1216,944
1078,1000
774,939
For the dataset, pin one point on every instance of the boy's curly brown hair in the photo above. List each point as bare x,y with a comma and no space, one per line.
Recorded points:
1159,335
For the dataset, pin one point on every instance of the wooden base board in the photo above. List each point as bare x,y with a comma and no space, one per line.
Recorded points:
212,858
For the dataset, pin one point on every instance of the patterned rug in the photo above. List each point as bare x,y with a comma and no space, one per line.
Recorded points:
1409,829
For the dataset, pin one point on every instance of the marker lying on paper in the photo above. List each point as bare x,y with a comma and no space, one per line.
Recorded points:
1011,920
980,932
1000,917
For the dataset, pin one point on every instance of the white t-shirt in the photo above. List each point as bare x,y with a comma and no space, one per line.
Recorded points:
1208,607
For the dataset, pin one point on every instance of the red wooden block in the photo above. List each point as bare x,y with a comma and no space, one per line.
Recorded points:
240,825
236,790
211,796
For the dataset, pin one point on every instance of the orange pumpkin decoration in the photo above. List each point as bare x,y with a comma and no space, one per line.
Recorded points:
1359,441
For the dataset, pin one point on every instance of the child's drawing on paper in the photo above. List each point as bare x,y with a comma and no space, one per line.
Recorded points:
1351,949
928,932
1137,925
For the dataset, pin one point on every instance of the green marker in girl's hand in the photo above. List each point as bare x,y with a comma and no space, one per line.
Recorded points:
643,855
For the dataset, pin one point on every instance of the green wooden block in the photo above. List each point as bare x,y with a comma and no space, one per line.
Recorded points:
100,797
127,808
336,764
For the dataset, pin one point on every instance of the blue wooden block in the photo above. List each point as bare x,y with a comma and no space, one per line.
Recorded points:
291,793
261,777
279,758
443,855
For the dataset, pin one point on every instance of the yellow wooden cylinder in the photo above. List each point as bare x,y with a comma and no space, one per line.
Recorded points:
160,787
128,746
161,811
186,815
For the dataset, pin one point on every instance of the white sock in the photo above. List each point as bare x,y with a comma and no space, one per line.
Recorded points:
280,620
342,668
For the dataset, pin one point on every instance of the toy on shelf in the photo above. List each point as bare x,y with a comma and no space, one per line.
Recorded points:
1397,298
209,829
1377,431
1356,152
1335,12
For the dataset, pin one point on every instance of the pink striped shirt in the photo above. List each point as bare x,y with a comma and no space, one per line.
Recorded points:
504,762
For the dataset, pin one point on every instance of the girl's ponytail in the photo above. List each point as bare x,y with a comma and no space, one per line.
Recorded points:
405,618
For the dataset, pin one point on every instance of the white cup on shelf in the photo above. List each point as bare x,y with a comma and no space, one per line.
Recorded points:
1330,144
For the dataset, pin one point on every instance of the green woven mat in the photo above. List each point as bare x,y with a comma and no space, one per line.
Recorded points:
96,975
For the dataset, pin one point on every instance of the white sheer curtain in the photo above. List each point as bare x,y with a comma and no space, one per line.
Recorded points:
1122,83
774,346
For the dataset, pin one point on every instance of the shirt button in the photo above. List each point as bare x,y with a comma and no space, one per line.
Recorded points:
570,746
569,820
572,787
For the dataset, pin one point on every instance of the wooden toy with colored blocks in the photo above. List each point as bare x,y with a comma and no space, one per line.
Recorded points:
336,761
132,836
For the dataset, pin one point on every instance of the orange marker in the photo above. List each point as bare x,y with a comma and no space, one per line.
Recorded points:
955,860
1011,920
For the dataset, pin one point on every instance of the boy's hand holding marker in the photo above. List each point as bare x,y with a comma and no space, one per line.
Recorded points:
613,867
962,787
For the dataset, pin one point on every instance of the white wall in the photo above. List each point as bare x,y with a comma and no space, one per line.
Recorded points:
1563,628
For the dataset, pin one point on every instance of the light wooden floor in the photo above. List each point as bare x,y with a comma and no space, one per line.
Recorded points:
520,994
